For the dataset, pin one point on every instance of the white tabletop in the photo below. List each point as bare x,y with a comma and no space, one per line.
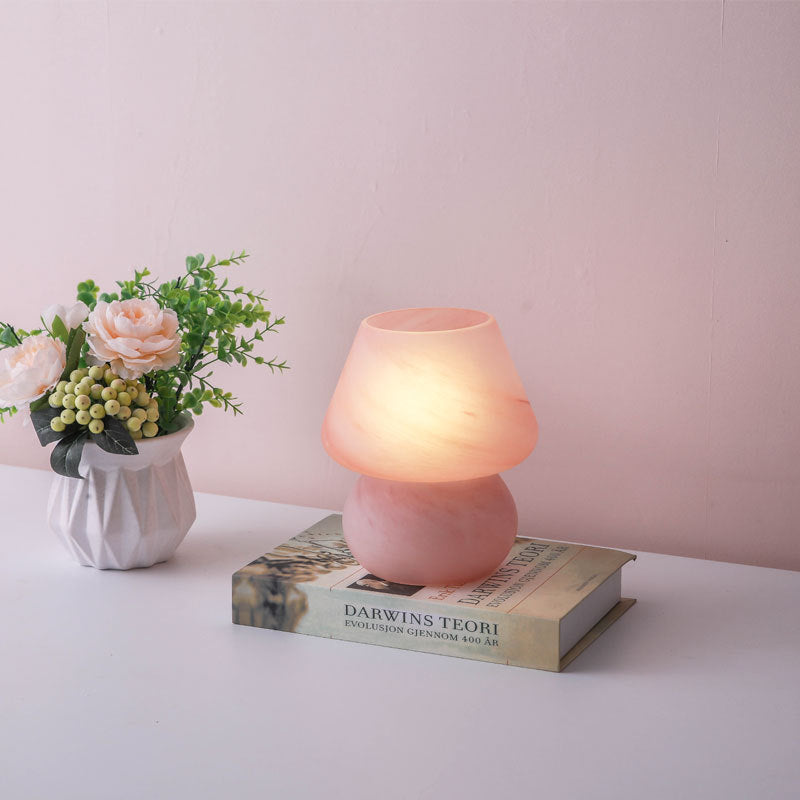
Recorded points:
136,685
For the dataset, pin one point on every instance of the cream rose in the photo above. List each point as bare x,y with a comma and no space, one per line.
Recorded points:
30,369
133,336
71,316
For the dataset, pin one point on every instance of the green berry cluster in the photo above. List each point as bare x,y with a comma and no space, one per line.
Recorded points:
92,394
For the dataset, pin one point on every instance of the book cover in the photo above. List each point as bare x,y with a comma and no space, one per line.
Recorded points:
518,615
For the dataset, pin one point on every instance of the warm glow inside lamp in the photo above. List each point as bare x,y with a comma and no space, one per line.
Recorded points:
429,409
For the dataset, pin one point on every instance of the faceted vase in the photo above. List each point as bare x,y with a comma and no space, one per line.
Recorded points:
128,511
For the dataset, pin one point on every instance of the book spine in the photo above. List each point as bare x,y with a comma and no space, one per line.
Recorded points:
394,621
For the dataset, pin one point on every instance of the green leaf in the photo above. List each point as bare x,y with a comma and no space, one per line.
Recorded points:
170,426
7,337
191,263
115,438
41,424
86,297
66,455
40,403
193,339
75,340
59,329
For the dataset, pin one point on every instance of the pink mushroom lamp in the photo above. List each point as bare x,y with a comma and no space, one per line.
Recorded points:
429,409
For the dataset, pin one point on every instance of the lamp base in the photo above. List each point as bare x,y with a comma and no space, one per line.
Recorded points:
430,534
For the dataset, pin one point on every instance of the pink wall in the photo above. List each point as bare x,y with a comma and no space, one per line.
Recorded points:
618,183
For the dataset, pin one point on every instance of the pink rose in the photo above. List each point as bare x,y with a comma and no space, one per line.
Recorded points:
30,369
133,336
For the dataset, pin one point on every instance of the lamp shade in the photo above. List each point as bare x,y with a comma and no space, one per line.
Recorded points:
429,394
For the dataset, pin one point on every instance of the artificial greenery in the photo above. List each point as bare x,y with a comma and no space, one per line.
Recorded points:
216,324
210,316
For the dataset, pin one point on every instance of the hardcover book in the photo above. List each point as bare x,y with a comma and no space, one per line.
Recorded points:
542,606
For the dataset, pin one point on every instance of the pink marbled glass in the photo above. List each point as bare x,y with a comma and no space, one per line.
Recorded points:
429,408
430,534
429,394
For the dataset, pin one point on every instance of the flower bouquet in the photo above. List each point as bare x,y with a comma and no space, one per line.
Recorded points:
114,381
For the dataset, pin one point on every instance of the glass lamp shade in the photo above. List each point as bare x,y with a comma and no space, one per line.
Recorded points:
429,395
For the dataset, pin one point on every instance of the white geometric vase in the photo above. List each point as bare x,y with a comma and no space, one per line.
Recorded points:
128,511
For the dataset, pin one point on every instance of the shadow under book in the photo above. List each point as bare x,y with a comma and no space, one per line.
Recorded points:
541,608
